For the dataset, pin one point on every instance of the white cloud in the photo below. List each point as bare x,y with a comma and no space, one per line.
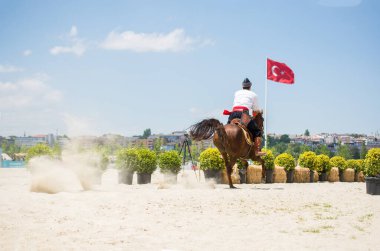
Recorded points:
27,53
28,93
77,46
73,31
29,105
9,69
340,3
173,41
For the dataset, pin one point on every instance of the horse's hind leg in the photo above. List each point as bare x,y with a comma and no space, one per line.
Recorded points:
229,166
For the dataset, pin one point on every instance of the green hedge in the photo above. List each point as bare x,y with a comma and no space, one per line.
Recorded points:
338,162
38,150
146,161
126,159
356,164
306,159
322,163
285,160
211,159
169,162
268,159
372,162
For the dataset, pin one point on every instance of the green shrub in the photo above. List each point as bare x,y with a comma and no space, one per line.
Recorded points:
322,163
126,159
306,159
239,164
211,159
146,161
268,159
286,161
338,162
38,150
356,164
169,162
372,162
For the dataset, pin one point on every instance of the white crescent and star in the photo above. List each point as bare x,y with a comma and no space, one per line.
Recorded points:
273,72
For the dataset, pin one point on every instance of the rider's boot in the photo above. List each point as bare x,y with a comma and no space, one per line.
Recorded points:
257,147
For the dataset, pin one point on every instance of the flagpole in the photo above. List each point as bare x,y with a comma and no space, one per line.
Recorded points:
265,106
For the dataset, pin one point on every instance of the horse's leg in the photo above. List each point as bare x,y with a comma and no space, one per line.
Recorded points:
229,166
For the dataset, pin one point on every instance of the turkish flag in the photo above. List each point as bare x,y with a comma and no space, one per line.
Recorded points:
279,72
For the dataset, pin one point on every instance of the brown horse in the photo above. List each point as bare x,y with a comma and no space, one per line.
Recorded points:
230,141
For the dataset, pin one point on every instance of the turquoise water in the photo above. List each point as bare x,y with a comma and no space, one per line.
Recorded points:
12,164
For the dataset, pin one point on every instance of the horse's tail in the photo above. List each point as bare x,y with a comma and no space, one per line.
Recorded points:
205,129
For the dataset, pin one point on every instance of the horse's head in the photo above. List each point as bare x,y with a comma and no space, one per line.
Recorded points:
259,120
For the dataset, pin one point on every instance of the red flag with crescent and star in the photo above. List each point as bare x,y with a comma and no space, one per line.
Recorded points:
279,72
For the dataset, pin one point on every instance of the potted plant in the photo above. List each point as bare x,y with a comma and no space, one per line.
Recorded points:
242,171
269,165
340,163
306,160
126,162
322,166
357,165
372,171
287,161
39,150
170,165
146,164
211,163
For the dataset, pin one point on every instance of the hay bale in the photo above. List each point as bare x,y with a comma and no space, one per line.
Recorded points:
333,175
234,176
254,174
349,175
301,175
361,177
279,175
316,176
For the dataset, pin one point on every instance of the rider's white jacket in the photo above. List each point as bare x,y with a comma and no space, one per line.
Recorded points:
248,99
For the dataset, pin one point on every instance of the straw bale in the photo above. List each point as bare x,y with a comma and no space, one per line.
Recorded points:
301,175
361,177
254,174
234,176
279,175
349,175
333,175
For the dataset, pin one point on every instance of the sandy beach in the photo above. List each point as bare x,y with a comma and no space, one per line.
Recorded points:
187,216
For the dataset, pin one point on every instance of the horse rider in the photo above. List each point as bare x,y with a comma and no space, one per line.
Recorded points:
245,101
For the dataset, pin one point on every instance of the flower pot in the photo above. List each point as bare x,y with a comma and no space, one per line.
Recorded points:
125,177
290,176
323,176
311,176
243,176
213,174
144,178
341,175
372,185
170,178
269,175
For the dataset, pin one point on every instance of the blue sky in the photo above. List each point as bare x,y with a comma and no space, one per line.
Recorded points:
94,67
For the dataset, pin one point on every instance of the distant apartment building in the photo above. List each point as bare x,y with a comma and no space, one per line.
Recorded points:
372,142
29,141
